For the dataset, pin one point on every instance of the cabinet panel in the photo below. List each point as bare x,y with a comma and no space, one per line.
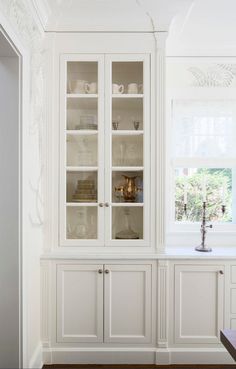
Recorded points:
79,303
198,303
128,303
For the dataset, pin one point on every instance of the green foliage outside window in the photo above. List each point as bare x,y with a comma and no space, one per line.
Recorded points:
215,179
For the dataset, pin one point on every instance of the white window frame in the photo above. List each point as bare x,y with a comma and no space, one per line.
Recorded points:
185,233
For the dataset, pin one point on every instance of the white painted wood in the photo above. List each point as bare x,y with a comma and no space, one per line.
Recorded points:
199,303
145,59
79,303
128,304
160,139
233,274
162,303
63,165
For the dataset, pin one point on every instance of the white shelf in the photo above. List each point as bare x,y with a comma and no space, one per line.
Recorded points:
83,96
127,169
74,204
81,169
125,204
127,132
81,132
127,96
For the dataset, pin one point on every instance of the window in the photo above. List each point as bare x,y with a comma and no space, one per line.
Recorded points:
202,158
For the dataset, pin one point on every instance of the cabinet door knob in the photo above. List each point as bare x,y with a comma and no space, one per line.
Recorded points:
107,204
221,272
106,271
100,271
101,204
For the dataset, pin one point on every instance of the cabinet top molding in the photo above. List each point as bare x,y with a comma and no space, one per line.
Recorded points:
110,15
219,253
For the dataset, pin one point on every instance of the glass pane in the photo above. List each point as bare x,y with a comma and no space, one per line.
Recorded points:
82,222
213,185
82,150
82,113
127,150
204,128
127,114
82,186
127,222
127,77
127,186
82,77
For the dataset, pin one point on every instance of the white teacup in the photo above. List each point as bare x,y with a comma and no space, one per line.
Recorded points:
90,88
132,88
117,89
77,86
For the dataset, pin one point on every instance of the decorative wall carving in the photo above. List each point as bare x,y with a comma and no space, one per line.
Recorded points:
214,75
18,13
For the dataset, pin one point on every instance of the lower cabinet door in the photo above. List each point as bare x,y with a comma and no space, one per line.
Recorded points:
128,306
79,303
199,303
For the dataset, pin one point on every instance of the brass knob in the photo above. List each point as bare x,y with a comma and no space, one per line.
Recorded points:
107,204
101,204
100,271
107,271
221,272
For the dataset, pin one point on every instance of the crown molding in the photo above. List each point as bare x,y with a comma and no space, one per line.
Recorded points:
43,11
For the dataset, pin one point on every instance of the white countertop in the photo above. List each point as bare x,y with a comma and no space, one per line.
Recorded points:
170,253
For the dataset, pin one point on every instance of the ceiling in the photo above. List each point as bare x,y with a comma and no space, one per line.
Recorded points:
112,15
196,27
207,27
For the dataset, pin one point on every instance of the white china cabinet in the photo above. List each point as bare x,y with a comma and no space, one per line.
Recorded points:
105,150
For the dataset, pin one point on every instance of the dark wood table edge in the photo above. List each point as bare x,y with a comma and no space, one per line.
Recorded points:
228,339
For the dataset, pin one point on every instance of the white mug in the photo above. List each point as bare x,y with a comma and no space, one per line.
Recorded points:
77,86
132,88
117,89
90,88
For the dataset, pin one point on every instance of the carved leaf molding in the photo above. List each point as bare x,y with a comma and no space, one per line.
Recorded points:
18,13
214,75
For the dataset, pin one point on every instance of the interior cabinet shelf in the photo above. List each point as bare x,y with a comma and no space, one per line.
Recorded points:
72,204
81,132
127,132
81,169
127,169
127,96
128,204
82,96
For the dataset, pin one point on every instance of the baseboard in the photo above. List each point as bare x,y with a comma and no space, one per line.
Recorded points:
99,355
193,356
36,360
135,356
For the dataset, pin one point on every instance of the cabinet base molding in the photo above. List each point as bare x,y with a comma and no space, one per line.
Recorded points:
136,356
36,360
99,356
195,356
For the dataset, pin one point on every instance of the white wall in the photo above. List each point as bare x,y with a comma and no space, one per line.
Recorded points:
9,216
19,21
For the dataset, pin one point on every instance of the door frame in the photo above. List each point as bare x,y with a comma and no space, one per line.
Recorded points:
23,116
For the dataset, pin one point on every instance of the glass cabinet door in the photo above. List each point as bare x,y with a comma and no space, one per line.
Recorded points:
81,151
128,131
